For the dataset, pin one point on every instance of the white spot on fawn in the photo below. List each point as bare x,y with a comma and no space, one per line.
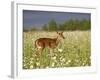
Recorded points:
39,47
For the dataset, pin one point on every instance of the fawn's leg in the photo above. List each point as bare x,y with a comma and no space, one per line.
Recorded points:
39,52
51,52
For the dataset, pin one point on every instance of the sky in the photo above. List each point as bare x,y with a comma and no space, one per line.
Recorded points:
39,18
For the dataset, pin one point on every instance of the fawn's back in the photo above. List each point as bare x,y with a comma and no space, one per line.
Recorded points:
52,43
46,42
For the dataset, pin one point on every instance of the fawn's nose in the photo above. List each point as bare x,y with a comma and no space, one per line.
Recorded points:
63,37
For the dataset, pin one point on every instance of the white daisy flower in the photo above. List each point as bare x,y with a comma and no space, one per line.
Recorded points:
53,64
31,59
69,61
60,50
54,57
47,67
31,67
83,64
66,62
63,60
37,63
31,62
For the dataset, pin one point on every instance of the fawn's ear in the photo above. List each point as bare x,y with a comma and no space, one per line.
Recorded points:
57,32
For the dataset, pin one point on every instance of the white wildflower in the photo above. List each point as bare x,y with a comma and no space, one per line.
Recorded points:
38,64
31,66
69,61
77,60
53,64
60,50
24,65
61,64
31,62
32,39
31,59
32,48
83,64
54,57
63,60
47,67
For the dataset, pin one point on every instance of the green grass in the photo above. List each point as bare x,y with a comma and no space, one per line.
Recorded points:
76,50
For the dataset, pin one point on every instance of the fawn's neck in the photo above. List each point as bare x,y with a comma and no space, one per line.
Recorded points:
57,40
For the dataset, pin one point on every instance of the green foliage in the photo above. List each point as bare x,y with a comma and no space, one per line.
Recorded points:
85,25
76,50
71,25
52,26
68,25
44,27
75,25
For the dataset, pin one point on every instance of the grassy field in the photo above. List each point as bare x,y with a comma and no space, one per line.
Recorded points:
75,50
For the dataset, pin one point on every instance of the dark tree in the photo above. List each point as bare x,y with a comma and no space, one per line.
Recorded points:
52,25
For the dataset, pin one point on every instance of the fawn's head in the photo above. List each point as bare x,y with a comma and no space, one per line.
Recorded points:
60,35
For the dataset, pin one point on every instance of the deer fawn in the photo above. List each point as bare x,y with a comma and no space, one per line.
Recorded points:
51,43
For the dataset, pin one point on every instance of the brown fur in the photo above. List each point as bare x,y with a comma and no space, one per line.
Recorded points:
51,43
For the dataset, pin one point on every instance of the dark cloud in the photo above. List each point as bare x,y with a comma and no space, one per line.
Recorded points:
38,18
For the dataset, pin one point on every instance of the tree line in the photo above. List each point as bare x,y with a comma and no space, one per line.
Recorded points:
70,25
